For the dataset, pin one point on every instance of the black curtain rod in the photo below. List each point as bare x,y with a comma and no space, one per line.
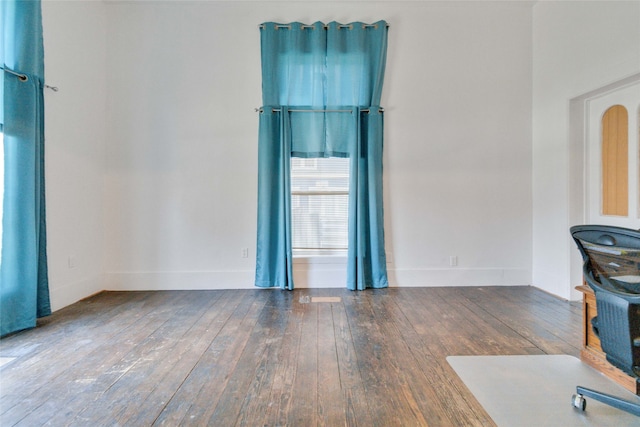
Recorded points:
303,26
274,110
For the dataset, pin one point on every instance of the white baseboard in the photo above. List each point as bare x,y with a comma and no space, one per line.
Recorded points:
62,296
179,280
459,277
312,276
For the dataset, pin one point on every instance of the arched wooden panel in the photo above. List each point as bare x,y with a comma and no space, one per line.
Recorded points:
615,161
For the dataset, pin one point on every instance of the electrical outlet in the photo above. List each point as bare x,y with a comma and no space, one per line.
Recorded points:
72,261
245,252
453,260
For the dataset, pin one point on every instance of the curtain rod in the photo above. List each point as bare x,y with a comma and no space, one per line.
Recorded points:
274,110
326,27
24,78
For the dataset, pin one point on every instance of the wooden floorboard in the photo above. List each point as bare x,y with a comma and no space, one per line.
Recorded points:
273,358
355,403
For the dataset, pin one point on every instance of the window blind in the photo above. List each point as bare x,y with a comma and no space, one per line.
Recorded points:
319,203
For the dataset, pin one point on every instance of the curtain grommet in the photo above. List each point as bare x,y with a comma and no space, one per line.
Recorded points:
23,78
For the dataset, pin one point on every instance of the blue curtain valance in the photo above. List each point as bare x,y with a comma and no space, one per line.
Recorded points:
322,65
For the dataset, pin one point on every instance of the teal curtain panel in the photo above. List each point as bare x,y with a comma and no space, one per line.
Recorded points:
321,90
24,289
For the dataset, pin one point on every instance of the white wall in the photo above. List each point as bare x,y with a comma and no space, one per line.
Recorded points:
578,47
183,79
459,135
152,142
75,46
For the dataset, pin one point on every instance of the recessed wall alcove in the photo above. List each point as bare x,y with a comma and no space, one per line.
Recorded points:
577,164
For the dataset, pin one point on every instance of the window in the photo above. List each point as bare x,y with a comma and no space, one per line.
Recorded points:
319,205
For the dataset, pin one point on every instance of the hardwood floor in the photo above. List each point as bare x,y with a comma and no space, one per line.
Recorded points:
273,358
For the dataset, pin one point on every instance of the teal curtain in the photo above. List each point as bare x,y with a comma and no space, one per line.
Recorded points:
24,291
321,90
